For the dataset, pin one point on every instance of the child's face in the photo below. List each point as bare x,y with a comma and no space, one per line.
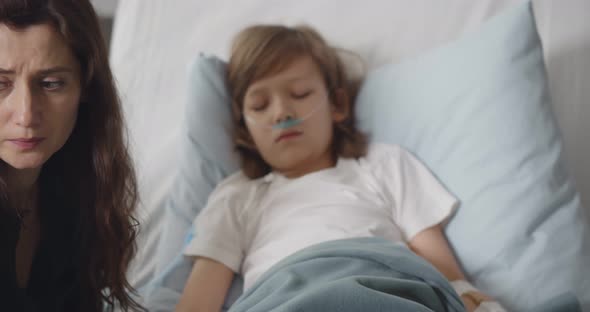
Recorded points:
294,93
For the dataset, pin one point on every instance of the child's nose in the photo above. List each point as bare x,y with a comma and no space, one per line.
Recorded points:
283,109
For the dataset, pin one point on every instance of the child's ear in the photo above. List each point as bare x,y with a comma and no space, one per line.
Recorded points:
341,106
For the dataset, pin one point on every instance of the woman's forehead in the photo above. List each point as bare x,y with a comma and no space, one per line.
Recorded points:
36,48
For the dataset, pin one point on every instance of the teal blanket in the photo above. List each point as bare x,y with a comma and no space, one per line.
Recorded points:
366,274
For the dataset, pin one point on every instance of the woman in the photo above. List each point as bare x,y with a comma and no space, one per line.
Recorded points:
67,186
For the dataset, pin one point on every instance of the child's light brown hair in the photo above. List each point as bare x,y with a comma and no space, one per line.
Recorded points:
262,50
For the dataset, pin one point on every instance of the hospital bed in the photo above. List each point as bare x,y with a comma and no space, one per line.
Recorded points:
155,42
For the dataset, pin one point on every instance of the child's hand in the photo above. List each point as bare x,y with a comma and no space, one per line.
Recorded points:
470,304
475,301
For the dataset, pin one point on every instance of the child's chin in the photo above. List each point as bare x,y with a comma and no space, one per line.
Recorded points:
291,160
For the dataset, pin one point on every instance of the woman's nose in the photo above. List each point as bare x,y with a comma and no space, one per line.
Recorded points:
26,112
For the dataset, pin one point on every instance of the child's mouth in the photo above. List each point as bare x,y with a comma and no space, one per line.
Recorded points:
288,135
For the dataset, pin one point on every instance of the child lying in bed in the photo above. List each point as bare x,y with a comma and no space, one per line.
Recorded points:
308,174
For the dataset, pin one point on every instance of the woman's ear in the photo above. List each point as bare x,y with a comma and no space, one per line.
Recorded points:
340,106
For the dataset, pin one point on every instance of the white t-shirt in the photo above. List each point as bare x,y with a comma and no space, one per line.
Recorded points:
249,225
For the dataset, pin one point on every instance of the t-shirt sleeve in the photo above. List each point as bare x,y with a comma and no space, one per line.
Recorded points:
216,230
419,201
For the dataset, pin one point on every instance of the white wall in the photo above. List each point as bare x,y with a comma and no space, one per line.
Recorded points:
105,7
565,32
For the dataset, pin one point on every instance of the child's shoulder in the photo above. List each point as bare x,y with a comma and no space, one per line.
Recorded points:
236,184
235,181
379,152
382,156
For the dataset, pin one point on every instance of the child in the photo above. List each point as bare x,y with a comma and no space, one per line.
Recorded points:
308,174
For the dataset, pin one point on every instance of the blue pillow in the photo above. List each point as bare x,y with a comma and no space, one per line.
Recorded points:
206,158
206,153
477,112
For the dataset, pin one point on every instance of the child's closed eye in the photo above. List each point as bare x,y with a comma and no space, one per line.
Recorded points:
259,107
301,95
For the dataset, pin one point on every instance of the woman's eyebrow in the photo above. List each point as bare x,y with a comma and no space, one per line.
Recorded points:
6,71
52,70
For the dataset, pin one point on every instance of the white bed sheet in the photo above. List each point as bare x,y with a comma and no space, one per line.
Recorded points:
155,40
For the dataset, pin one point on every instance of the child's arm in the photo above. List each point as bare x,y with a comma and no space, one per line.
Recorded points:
432,245
206,287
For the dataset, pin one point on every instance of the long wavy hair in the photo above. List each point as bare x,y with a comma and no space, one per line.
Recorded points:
94,166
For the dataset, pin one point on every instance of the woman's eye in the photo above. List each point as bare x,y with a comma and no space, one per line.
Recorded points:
4,85
52,85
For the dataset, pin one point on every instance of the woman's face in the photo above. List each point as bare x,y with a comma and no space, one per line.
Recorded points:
39,94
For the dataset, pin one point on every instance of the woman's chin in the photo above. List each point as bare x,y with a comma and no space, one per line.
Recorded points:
25,163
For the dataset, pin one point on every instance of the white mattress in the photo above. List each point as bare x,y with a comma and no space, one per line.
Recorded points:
154,40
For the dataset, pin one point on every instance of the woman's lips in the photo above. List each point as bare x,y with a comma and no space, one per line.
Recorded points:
27,144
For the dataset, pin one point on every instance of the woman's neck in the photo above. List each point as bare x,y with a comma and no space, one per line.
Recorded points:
21,185
21,181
